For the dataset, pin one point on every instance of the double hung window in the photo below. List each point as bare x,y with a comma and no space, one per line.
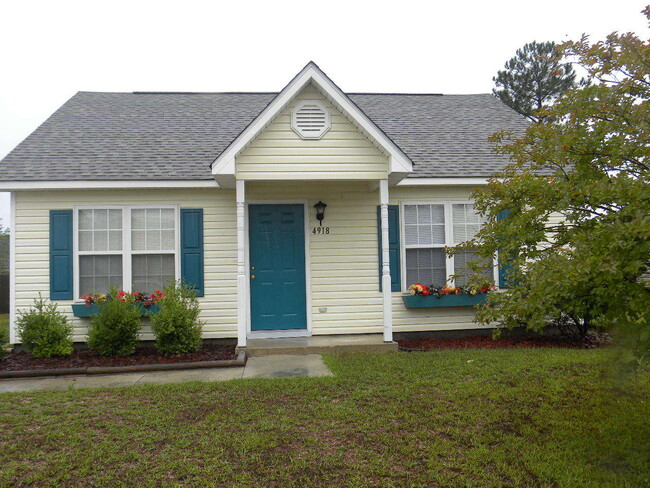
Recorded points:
130,248
428,229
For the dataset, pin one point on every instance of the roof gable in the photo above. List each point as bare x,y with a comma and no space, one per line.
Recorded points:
224,166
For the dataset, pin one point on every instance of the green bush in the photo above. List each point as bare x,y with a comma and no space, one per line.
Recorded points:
177,326
44,331
114,329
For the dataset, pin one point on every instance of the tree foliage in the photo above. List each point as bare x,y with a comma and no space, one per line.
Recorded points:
577,191
4,249
533,78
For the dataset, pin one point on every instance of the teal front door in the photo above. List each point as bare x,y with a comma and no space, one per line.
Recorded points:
277,267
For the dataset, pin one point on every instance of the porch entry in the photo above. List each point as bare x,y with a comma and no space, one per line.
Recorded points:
277,267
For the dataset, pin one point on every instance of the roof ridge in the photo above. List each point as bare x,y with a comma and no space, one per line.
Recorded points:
397,94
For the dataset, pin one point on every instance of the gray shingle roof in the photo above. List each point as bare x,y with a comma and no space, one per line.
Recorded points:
104,136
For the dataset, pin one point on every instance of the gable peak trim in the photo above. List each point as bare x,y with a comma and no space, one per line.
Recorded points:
224,166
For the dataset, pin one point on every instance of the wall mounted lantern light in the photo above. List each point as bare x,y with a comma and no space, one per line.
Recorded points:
320,212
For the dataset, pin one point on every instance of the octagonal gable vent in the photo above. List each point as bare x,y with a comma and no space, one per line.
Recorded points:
310,119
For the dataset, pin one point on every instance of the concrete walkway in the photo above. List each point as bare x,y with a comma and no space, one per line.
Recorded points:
280,366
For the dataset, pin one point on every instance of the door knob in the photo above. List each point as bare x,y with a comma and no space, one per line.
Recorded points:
252,277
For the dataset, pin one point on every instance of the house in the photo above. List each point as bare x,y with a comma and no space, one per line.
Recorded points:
225,191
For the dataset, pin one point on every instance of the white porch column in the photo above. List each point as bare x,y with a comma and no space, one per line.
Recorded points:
242,297
12,268
385,259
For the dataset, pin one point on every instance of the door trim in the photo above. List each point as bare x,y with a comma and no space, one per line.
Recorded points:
278,333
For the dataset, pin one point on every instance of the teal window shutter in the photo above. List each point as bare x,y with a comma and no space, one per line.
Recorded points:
192,248
61,255
393,246
504,268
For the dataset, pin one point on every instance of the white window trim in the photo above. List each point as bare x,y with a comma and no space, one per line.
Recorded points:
126,252
448,239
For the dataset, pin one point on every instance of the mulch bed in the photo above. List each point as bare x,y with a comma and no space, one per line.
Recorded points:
487,342
21,361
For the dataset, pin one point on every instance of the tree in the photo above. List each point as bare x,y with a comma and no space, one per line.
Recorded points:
4,249
533,78
587,160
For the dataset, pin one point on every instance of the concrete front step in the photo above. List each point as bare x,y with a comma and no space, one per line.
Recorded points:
318,345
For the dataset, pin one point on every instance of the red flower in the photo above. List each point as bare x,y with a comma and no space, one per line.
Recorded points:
425,292
121,293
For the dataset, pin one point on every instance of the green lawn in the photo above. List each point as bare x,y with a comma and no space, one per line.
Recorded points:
491,418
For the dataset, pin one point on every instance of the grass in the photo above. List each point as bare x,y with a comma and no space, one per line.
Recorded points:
488,418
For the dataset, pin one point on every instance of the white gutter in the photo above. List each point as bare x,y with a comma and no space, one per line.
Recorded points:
104,184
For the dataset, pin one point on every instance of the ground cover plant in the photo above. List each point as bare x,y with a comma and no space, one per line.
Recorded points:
455,418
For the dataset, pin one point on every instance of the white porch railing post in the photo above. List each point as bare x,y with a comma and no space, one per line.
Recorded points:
242,298
385,259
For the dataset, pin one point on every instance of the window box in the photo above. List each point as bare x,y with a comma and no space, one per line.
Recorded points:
430,301
83,310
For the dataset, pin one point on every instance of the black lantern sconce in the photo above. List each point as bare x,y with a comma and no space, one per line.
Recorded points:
320,212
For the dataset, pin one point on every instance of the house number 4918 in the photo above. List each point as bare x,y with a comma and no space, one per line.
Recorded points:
320,230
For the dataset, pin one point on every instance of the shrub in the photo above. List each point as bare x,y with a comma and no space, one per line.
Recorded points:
44,331
177,326
114,329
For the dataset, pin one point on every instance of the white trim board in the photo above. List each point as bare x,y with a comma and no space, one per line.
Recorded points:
224,166
104,185
442,181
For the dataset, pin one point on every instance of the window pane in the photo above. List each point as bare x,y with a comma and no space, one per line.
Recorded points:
466,222
153,240
137,219
85,219
461,261
100,219
167,219
94,233
115,219
138,240
411,234
153,218
115,240
100,240
438,234
410,214
98,273
426,266
85,240
168,240
424,214
424,225
153,229
152,271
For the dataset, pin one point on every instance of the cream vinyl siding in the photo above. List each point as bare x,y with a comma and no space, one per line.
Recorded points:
344,264
424,319
218,306
343,153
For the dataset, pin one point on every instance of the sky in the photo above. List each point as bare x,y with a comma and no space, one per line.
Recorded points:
51,50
